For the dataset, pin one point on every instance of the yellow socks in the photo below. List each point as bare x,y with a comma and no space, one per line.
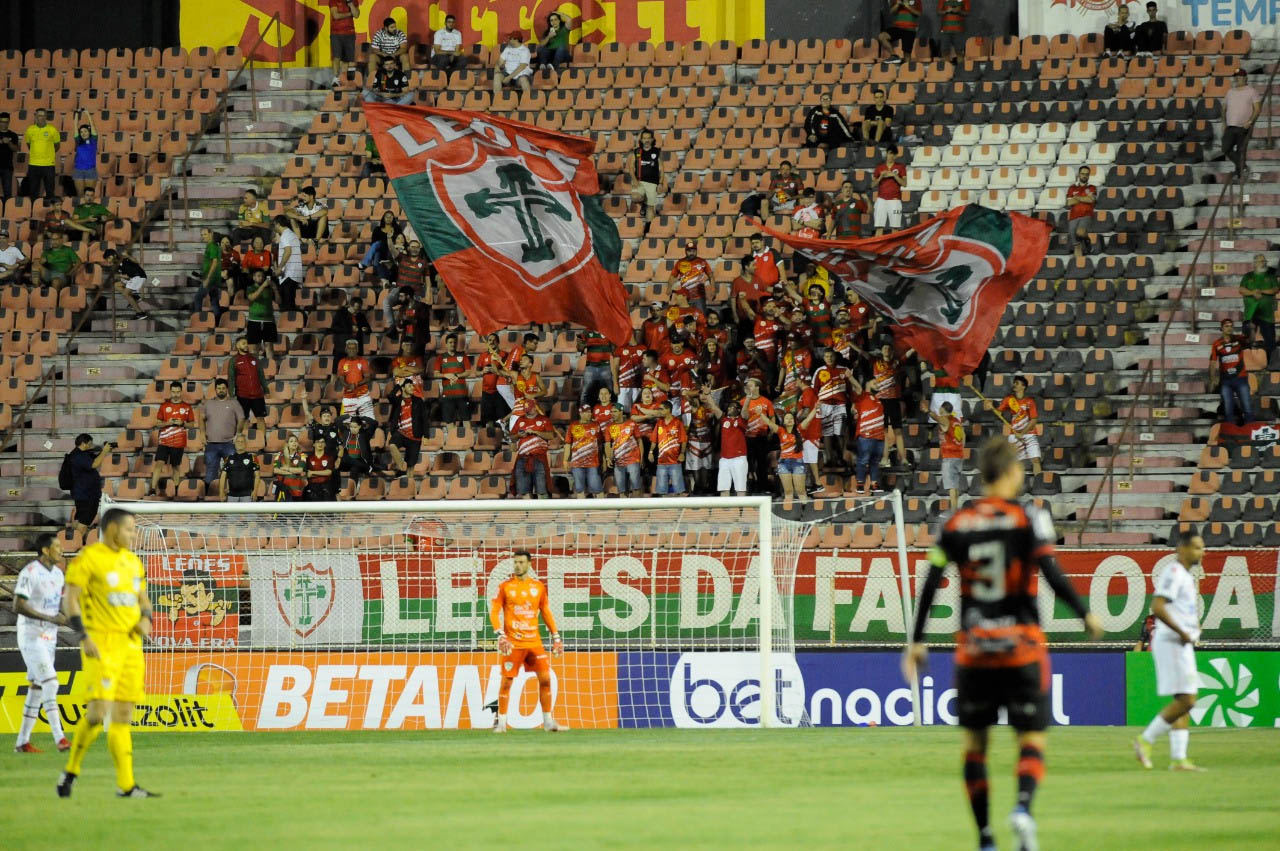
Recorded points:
120,744
81,739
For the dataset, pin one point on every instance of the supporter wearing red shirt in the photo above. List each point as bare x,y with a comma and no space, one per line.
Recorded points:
413,269
409,421
622,453
766,331
782,192
870,444
769,266
1081,197
258,256
601,367
406,364
830,382
701,429
248,381
888,389
452,368
844,221
1227,372
172,419
602,411
951,448
681,366
493,407
1022,414
322,474
667,452
690,276
654,330
630,370
733,467
354,374
583,440
757,411
745,296
654,378
809,415
889,178
532,471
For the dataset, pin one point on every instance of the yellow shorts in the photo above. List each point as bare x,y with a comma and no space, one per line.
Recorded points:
117,674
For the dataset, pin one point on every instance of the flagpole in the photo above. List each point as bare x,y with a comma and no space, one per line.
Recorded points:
995,410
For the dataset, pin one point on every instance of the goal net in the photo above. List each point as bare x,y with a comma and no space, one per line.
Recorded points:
293,616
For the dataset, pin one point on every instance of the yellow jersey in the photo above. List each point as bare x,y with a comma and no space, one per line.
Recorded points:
40,144
111,582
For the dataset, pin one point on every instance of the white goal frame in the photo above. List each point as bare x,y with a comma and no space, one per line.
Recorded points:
763,506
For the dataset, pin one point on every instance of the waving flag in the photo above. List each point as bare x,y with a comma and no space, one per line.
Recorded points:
505,210
944,283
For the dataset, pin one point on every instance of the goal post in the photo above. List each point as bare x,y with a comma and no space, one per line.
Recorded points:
374,615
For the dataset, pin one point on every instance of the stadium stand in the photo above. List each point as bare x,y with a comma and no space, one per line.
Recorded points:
1007,127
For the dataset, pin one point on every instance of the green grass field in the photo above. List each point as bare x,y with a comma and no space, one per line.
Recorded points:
670,789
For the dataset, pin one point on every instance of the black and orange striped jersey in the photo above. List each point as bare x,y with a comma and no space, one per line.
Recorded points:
999,549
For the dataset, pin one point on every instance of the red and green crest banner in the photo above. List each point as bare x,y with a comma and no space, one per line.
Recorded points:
508,213
944,283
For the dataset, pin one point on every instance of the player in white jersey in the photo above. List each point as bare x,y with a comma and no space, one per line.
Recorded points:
37,600
1173,648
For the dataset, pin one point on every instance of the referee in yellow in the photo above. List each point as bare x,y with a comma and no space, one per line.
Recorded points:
106,605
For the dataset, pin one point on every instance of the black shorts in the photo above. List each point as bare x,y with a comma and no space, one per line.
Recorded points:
493,407
1023,691
893,412
170,455
86,511
308,229
258,331
343,47
253,407
411,449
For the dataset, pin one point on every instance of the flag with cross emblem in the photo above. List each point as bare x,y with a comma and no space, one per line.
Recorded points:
944,283
508,214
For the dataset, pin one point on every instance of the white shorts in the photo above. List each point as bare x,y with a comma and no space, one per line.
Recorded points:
508,394
38,656
135,284
887,213
1175,667
810,452
698,462
733,475
833,417
1028,445
362,405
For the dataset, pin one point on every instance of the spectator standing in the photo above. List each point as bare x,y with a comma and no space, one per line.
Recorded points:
757,410
903,26
553,47
514,65
342,37
210,274
321,428
630,369
1152,35
82,464
782,192
446,47
583,441
951,448
408,424
690,275
1024,416
532,472
732,471
251,218
745,296
247,379
59,263
1117,37
389,85
310,217
238,473
845,217
790,455
408,364
452,367
42,141
8,147
887,386
13,262
769,268
646,171
356,458
1227,372
825,125
84,168
600,369
260,322
493,407
289,472
877,121
256,258
889,177
390,42
413,271
350,323
831,380
681,367
622,452
952,15
354,373
1243,103
221,420
288,268
122,273
668,450
870,439
1259,288
172,420
505,363
701,430
810,217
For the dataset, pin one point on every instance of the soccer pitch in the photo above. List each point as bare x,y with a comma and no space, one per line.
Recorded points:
812,788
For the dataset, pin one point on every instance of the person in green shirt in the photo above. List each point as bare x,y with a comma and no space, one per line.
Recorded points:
1259,288
553,47
372,159
210,273
260,324
59,263
90,216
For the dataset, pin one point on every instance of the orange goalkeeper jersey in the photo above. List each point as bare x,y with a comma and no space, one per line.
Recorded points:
514,612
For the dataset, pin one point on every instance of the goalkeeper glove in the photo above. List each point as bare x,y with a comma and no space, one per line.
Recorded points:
504,645
557,646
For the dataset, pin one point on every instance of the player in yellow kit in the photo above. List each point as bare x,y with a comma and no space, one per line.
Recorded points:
107,607
514,615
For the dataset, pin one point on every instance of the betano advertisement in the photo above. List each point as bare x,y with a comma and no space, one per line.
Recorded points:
1237,689
304,31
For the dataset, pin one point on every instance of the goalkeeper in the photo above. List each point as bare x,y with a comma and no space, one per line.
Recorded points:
514,615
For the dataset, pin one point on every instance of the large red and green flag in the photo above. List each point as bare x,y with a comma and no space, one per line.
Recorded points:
944,283
507,212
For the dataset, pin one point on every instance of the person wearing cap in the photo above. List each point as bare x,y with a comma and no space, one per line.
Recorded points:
690,275
1243,103
513,65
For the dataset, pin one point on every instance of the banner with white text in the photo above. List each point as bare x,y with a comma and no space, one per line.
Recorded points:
1082,17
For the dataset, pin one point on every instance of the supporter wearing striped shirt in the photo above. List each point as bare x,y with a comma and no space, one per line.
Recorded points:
951,20
583,439
870,445
601,369
452,368
622,453
388,42
903,24
668,452
532,469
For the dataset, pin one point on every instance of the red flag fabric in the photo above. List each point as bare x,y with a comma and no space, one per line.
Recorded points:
944,283
506,212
